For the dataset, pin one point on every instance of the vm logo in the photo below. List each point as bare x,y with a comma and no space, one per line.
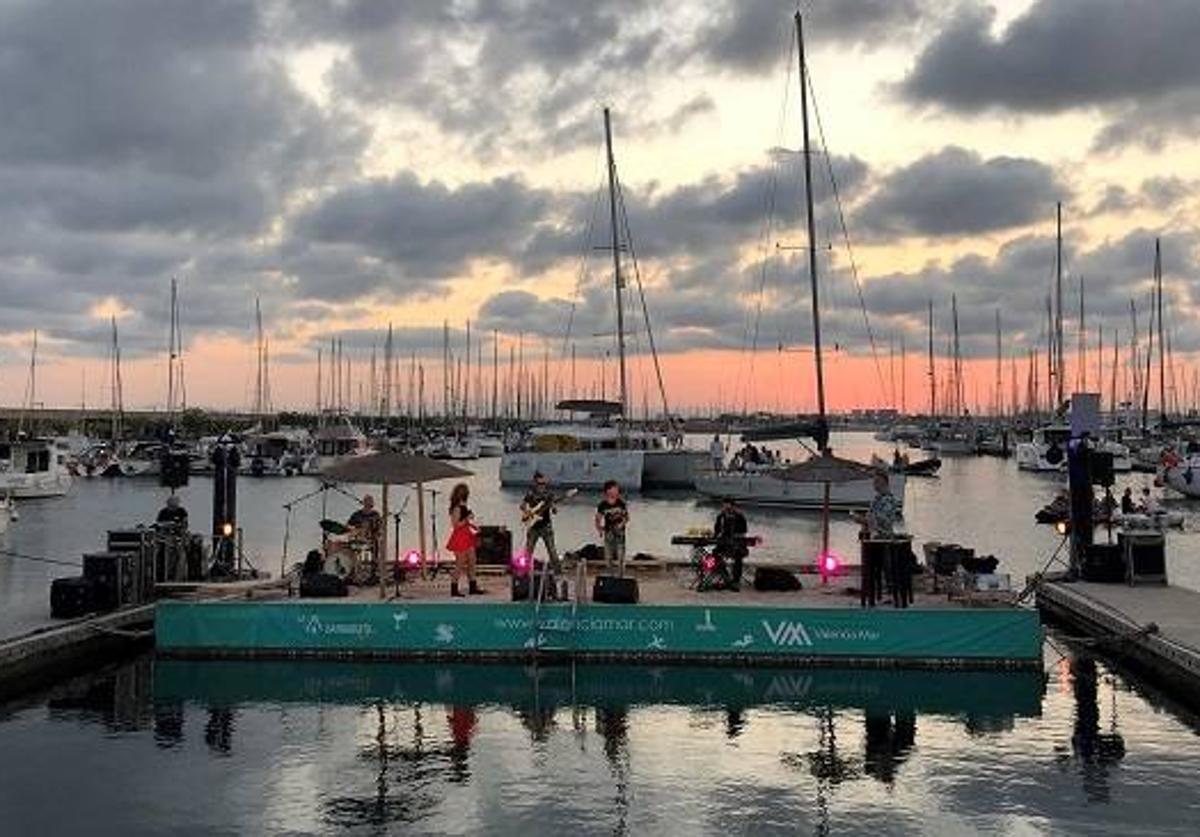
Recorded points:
787,633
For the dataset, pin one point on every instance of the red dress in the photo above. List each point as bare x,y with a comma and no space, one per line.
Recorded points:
464,536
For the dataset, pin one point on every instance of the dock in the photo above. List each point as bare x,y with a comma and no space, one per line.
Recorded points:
1154,628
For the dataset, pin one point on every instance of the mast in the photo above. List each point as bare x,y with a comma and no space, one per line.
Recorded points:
174,373
932,368
957,381
812,235
999,369
1058,312
1082,376
618,280
118,399
495,373
903,377
1162,373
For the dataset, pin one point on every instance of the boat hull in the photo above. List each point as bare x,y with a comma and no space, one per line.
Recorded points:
35,486
761,489
673,468
575,469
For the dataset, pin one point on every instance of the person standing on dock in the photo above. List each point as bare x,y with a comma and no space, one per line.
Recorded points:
730,531
716,452
463,539
612,516
539,502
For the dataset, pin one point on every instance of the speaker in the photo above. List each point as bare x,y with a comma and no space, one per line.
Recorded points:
612,589
1100,468
130,540
1104,563
495,546
71,597
1145,557
174,470
523,584
322,586
114,577
776,579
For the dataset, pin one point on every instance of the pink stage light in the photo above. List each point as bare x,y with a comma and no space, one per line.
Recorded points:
520,563
412,559
829,564
709,563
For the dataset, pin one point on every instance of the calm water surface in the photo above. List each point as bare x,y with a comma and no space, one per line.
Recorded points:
156,747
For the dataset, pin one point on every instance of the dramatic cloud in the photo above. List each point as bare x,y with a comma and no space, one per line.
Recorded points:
955,192
1134,60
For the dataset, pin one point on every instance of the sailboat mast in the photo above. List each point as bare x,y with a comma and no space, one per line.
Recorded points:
618,280
932,368
1162,373
1058,311
812,231
999,406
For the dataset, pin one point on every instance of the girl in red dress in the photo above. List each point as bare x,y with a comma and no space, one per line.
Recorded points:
463,539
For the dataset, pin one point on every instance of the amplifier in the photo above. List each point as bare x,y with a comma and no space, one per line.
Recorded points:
130,540
1145,557
612,589
174,470
495,547
1104,563
115,578
71,597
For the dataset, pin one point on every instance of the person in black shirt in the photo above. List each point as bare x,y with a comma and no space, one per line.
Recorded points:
612,516
173,514
540,501
730,530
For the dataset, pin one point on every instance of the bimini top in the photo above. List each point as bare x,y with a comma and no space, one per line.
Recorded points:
593,407
828,468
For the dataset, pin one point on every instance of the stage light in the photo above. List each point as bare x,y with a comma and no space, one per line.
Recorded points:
829,564
708,563
227,529
520,563
1061,527
412,559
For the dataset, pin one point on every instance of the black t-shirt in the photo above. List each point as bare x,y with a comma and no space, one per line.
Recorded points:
614,514
367,519
176,516
542,496
728,529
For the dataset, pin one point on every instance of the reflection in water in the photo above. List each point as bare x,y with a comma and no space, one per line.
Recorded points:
1094,752
368,749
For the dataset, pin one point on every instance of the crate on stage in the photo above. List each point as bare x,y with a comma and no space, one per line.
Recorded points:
71,598
495,546
115,578
613,589
523,586
140,539
1145,557
1104,563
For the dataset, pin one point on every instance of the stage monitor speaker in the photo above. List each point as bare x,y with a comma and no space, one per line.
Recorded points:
71,598
174,470
522,584
1100,467
1104,563
612,589
322,586
495,547
775,579
1145,557
115,578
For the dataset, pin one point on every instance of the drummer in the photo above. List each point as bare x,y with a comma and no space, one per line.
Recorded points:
365,527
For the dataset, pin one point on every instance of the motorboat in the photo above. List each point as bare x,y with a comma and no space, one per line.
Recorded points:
1046,451
577,455
1155,521
33,468
801,486
338,441
280,453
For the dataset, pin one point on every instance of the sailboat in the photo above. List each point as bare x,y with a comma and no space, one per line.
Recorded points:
824,481
33,467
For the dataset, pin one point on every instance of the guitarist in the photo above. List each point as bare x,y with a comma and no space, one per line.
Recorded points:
540,500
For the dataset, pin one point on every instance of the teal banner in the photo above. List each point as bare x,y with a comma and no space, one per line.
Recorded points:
942,634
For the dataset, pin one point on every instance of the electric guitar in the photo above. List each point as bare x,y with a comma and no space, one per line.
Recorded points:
531,514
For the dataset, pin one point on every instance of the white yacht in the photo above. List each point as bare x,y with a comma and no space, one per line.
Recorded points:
338,441
280,453
1046,451
797,486
33,468
575,455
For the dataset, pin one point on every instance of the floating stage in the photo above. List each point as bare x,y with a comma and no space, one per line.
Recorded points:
820,625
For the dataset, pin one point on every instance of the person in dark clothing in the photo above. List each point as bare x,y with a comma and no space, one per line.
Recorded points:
539,501
314,563
173,514
1127,504
730,529
612,516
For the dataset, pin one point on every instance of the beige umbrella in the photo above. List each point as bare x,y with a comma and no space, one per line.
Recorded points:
828,469
389,469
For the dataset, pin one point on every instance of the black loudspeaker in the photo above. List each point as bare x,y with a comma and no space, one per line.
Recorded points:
322,586
71,597
1104,563
1100,468
173,470
141,543
115,578
612,589
495,546
776,579
1145,557
522,584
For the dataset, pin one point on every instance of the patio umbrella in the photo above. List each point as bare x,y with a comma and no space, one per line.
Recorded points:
828,469
389,469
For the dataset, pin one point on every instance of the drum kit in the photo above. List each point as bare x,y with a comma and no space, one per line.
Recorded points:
352,551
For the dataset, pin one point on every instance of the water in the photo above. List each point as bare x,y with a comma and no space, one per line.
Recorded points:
150,747
168,747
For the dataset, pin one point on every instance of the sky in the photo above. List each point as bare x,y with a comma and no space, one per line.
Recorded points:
358,163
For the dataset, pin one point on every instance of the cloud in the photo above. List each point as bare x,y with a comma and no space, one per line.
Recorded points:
955,192
1134,60
754,36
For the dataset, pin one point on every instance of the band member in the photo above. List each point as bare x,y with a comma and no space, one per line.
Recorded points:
540,501
612,516
173,514
730,531
366,524
463,539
